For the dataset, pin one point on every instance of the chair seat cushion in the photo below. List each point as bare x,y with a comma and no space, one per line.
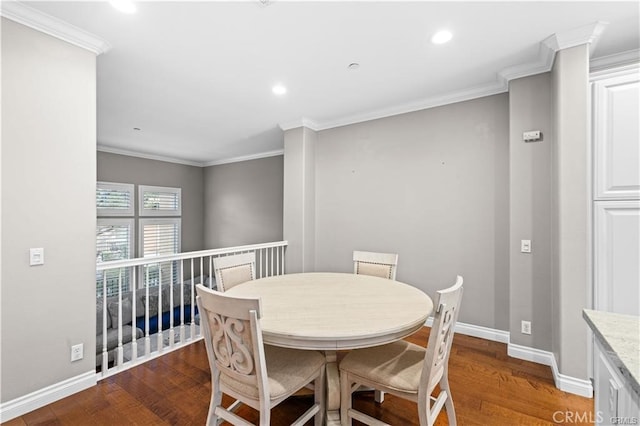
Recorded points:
397,365
288,371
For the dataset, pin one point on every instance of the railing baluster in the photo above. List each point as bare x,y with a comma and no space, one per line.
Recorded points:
159,338
182,327
147,339
192,330
134,314
105,352
170,287
119,350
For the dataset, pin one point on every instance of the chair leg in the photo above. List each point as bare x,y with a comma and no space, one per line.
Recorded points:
216,401
378,396
448,403
345,398
319,391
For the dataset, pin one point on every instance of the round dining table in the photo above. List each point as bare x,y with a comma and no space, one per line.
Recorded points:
335,311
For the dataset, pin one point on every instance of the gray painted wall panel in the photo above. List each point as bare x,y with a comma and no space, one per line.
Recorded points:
48,201
530,108
431,186
243,202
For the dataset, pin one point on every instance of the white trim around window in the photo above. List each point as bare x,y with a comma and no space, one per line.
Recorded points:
159,201
114,199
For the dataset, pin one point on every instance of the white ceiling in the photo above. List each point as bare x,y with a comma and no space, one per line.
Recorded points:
196,77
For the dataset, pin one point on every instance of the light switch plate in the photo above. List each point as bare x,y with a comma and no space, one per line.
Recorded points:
36,256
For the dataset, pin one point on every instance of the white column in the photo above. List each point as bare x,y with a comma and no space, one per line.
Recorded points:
299,199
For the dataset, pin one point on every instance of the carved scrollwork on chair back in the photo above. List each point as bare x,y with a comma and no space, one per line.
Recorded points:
232,345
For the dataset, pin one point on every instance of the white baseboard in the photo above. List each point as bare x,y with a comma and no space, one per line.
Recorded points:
24,404
564,383
478,331
571,384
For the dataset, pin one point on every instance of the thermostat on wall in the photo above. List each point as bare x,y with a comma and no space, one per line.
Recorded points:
532,136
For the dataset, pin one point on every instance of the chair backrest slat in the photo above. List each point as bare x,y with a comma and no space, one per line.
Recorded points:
233,337
375,264
447,308
235,269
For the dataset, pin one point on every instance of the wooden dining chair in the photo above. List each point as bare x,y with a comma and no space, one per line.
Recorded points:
407,370
244,368
376,264
234,269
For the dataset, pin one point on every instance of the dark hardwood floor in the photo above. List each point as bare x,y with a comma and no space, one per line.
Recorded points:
488,387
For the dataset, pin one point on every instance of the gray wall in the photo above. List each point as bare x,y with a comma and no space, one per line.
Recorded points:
141,171
243,202
431,186
530,108
48,201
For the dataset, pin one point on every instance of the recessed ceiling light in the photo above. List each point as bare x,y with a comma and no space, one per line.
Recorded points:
441,37
353,66
124,6
279,89
136,128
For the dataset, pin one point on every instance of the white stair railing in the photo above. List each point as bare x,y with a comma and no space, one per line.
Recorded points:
150,305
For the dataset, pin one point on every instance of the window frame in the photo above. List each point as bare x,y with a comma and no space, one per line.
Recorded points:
176,221
125,187
130,222
142,189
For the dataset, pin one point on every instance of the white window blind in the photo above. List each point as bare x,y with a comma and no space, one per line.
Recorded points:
159,201
160,237
114,241
114,199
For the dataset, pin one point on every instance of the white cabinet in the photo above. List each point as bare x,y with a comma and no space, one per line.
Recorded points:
617,256
615,401
616,133
616,191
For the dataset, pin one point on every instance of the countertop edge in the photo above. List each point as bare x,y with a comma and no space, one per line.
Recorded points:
613,355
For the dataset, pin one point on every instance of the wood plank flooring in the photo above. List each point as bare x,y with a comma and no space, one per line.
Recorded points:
488,387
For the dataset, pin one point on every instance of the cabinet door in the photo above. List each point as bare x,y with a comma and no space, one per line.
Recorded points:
617,254
616,106
607,386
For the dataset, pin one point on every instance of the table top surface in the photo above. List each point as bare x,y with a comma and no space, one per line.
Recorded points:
335,310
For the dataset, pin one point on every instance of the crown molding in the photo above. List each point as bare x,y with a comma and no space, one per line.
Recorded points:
119,151
303,122
450,98
628,59
586,34
33,18
129,153
245,158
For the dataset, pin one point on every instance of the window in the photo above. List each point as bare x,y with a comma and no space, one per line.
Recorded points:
159,201
160,237
114,236
114,199
114,241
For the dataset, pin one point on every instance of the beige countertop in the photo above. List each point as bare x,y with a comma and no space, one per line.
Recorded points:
619,335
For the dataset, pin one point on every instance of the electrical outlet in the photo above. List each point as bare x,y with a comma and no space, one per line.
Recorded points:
525,246
525,327
77,352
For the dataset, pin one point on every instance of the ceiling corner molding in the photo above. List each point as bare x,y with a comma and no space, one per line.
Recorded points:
245,158
33,18
630,59
586,34
499,86
128,153
303,122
